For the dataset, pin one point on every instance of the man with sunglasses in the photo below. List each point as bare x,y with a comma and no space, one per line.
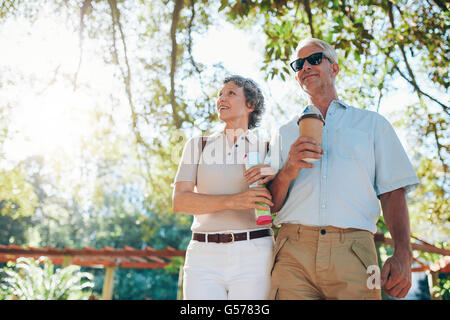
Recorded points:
328,209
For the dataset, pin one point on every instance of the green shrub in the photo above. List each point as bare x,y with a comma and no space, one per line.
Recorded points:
27,280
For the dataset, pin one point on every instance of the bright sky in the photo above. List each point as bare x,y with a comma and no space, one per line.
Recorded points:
51,117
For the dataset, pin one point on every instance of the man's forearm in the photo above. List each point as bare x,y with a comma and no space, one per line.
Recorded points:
278,188
396,216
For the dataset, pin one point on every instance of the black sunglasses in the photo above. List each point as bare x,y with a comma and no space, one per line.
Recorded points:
314,59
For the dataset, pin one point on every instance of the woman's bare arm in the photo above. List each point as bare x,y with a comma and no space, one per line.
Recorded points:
185,200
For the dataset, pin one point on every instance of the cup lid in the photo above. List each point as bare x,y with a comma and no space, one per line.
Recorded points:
311,115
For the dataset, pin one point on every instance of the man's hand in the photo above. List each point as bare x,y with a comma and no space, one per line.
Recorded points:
396,275
261,172
302,148
396,272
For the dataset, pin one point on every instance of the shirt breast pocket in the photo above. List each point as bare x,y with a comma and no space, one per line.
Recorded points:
351,144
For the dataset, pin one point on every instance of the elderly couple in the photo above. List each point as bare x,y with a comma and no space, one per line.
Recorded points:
327,209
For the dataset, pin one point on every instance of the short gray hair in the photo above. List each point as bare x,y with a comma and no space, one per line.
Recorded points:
327,49
253,96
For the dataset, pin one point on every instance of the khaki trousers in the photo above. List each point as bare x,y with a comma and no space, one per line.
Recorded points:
323,263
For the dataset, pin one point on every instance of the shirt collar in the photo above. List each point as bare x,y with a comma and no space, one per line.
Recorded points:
249,135
338,102
214,136
341,103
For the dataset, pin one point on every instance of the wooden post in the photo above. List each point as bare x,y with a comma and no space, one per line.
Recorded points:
433,281
108,284
67,261
180,284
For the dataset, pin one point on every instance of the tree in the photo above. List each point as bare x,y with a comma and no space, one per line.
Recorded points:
17,198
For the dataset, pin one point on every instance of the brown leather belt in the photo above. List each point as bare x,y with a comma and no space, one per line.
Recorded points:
229,237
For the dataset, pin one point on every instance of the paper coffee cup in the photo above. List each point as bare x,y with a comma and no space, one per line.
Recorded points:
311,125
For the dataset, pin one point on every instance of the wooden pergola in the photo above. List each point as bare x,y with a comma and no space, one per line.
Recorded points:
418,245
108,258
150,258
432,271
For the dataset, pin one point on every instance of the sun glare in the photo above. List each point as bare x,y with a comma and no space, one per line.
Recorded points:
48,115
49,123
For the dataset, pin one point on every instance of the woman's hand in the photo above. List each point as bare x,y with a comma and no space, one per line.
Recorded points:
248,199
261,172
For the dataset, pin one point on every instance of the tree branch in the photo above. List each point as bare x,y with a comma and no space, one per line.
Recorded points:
211,108
440,4
307,6
115,14
380,90
439,146
83,11
412,79
191,22
417,88
6,7
173,61
419,92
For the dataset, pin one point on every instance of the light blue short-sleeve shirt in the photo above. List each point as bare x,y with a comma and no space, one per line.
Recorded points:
363,158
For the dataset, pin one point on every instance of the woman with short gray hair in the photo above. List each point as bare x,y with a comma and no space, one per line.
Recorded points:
229,254
253,96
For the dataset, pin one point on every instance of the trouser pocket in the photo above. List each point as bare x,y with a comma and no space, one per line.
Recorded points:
366,252
276,250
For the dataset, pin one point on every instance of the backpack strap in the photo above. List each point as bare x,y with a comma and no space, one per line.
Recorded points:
204,140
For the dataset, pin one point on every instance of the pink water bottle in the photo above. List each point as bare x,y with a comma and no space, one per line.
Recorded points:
263,217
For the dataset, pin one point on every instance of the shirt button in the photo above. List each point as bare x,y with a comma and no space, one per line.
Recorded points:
229,153
323,206
323,232
236,145
324,177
